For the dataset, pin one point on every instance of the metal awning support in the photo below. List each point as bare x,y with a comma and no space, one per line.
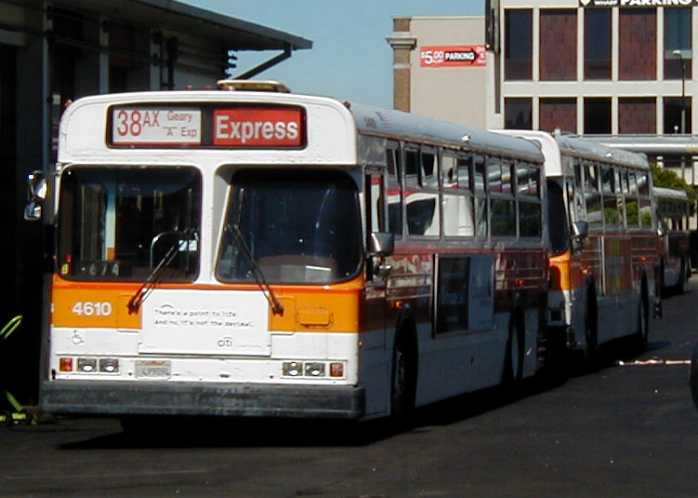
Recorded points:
266,65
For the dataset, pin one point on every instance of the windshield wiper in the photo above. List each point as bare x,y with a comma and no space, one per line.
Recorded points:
149,283
276,307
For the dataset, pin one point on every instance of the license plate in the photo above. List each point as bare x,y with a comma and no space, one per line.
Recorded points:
152,369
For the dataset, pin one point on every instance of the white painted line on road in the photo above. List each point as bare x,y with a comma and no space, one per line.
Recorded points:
646,363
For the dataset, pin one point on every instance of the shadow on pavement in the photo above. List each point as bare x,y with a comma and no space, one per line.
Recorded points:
181,432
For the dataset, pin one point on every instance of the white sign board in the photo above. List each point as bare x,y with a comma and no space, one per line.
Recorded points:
155,126
206,322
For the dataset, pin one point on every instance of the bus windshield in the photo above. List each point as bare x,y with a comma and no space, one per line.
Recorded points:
300,228
558,230
118,223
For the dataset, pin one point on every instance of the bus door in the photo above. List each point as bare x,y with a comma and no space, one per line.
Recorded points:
373,340
374,312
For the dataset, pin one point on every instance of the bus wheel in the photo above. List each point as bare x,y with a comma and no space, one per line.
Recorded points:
140,426
683,276
403,382
643,325
591,331
694,375
514,356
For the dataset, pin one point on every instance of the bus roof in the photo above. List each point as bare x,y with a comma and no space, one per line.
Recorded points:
553,146
670,193
390,123
81,139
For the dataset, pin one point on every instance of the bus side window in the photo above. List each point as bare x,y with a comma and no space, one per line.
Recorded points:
394,189
592,195
411,167
632,213
479,185
502,203
609,180
643,184
428,171
529,203
457,200
375,203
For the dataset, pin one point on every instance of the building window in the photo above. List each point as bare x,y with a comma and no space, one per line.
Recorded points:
597,44
677,115
518,44
638,44
597,116
677,43
637,115
558,44
518,113
558,114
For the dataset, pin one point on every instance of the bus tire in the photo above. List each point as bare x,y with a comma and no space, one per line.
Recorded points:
514,355
693,377
683,276
140,426
403,383
591,329
643,320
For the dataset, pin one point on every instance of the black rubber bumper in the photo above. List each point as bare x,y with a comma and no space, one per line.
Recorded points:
193,399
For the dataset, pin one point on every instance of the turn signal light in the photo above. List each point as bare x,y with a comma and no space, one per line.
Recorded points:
65,364
336,369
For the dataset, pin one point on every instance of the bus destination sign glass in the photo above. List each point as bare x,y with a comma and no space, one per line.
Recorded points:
207,126
258,127
147,125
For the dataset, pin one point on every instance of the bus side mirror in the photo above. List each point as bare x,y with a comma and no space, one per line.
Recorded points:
661,230
37,189
381,244
580,229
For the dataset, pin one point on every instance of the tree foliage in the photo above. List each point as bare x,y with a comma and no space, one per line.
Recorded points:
666,178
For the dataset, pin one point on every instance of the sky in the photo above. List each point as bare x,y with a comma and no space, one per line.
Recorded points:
350,58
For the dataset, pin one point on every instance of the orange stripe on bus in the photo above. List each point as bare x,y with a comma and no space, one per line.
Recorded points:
565,272
318,308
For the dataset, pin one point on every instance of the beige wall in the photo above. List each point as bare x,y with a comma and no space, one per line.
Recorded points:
457,94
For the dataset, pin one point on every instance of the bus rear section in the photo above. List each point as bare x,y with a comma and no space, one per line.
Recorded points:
197,279
605,270
673,210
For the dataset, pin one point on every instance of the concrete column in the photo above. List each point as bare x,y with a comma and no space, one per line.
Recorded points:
615,43
614,115
103,56
536,44
535,114
580,44
402,44
660,43
155,61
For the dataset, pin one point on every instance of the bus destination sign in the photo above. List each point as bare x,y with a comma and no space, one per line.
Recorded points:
149,125
258,127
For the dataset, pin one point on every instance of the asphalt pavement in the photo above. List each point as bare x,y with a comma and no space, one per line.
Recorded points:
626,429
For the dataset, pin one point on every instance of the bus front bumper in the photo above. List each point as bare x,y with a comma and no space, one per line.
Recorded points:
118,398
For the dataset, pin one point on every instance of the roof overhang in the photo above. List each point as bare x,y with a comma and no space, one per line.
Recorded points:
233,33
655,145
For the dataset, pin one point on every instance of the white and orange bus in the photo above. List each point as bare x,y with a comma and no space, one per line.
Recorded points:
603,233
673,209
259,253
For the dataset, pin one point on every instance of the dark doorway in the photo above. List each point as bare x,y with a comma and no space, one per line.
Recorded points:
9,197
